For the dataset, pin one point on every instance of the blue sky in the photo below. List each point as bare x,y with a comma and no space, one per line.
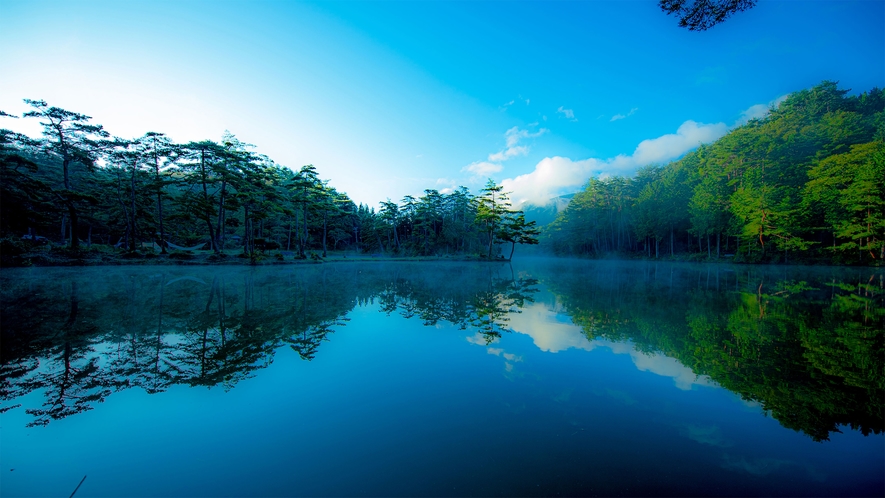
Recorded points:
391,98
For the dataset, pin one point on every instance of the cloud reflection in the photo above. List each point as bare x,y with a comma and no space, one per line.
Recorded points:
552,332
662,365
549,330
509,358
710,435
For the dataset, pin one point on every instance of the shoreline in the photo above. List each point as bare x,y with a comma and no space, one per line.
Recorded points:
104,257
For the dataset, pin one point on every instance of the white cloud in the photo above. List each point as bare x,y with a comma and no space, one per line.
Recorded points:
514,135
508,153
445,186
689,135
508,104
622,116
554,176
568,113
754,112
482,168
512,138
759,111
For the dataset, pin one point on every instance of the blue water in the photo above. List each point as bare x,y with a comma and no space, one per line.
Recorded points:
390,405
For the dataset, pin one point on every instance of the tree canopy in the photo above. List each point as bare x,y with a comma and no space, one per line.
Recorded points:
701,15
77,185
804,183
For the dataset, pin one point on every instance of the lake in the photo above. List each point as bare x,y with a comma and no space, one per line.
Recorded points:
544,377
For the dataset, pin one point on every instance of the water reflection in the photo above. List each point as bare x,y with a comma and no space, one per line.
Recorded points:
806,345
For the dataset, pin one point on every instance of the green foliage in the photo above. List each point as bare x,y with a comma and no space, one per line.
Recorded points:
810,352
805,182
701,15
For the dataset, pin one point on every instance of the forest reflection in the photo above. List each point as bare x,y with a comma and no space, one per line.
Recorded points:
82,335
805,344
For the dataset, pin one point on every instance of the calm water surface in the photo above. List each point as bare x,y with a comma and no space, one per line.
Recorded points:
540,378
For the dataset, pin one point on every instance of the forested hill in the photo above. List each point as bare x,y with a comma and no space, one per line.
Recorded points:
804,184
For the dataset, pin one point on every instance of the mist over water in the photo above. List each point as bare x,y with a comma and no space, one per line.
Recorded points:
391,378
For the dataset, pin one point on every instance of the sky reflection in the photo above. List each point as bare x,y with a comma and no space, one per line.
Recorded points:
552,331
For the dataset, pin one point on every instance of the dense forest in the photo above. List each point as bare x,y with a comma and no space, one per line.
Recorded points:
79,187
805,183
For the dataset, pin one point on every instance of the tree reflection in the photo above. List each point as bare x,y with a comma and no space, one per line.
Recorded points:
70,375
482,299
809,351
83,340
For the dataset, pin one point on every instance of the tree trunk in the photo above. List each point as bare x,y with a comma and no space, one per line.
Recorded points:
304,221
325,233
207,205
132,240
72,212
219,230
246,229
289,237
162,240
72,209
